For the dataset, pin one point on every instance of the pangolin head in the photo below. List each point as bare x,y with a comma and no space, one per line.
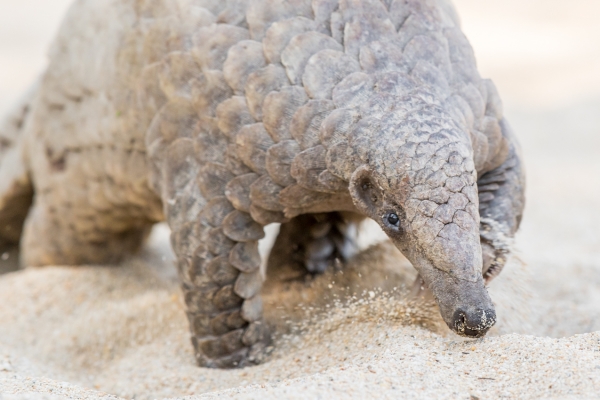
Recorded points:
418,182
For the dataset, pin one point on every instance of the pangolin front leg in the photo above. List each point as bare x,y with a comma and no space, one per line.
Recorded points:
501,203
313,242
217,257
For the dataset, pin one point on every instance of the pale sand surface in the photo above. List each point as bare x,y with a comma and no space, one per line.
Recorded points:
122,330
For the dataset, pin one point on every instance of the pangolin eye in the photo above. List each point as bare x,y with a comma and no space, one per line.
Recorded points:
393,219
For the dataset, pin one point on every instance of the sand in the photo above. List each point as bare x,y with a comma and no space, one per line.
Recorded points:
101,332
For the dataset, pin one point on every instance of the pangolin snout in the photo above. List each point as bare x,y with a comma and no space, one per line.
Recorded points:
474,322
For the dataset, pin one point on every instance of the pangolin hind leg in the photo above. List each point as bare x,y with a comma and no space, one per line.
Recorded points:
86,210
71,234
16,191
311,243
13,210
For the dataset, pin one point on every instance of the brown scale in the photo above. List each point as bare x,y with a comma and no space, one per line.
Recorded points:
252,142
208,90
325,70
279,34
279,161
264,193
260,83
279,108
299,50
243,58
307,167
232,115
237,191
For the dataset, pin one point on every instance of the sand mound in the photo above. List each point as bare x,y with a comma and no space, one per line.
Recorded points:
349,332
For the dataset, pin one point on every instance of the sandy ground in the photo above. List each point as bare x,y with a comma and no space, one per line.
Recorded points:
84,332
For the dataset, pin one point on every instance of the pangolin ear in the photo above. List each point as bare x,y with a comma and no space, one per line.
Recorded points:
366,194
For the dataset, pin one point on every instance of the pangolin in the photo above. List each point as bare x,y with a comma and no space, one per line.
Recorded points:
223,116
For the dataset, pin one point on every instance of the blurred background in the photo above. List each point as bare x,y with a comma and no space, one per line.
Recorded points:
544,56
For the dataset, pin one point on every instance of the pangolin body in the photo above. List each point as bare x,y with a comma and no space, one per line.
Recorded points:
225,116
